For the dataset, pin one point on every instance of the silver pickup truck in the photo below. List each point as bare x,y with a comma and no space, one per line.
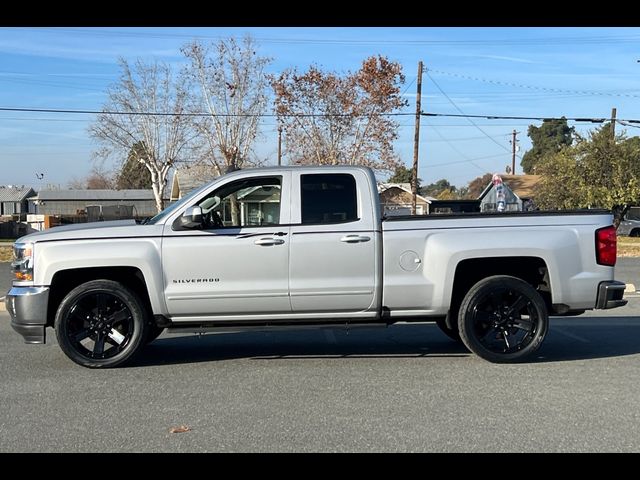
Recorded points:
297,246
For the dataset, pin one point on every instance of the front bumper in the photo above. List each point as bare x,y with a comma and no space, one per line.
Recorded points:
610,295
28,309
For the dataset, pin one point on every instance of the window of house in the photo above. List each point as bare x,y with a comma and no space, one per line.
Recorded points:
251,202
328,198
489,207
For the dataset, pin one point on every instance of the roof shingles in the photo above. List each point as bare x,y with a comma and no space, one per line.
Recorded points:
139,194
15,194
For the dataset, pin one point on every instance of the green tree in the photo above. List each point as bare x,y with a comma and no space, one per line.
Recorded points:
134,174
547,139
402,174
596,172
447,194
438,187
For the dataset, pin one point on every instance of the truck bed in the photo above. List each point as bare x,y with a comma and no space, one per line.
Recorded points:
424,255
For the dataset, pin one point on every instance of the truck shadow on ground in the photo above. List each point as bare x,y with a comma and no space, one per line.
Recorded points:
567,340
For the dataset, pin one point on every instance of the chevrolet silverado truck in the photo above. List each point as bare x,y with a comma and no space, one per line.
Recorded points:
296,247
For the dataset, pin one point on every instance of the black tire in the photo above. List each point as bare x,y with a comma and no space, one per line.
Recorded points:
153,332
503,319
452,333
101,324
635,233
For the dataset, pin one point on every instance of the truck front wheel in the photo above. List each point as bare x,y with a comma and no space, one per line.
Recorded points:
503,319
101,324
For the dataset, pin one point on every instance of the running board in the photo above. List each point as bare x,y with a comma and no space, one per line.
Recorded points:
201,329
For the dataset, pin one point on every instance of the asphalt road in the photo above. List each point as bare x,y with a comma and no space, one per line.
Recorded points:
628,270
5,278
404,388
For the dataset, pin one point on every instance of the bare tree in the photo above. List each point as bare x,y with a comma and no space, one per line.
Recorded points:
231,87
99,178
332,119
143,90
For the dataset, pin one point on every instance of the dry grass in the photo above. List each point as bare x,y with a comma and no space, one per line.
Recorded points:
5,251
628,247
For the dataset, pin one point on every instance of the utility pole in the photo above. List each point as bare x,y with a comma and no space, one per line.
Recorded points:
416,141
280,145
513,151
613,124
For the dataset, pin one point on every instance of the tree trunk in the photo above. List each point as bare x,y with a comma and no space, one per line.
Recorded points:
235,211
619,211
157,184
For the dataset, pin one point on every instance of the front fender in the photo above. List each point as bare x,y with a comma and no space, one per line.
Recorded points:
142,253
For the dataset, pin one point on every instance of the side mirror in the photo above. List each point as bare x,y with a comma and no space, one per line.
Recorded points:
191,218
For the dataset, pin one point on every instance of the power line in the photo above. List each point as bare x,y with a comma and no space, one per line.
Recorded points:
273,115
407,88
532,87
463,114
626,123
515,117
187,114
486,157
463,139
455,149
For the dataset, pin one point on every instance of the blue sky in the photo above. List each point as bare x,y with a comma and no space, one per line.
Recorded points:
540,72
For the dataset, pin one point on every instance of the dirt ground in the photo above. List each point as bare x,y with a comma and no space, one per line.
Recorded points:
5,251
628,247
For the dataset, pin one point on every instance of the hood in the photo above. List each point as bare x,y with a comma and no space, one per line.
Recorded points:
94,230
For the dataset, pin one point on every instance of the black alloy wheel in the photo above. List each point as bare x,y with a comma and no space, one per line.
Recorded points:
101,323
503,319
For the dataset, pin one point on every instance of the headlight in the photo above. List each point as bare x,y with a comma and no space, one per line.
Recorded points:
22,265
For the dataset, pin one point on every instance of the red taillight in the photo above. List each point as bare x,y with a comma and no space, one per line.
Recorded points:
606,246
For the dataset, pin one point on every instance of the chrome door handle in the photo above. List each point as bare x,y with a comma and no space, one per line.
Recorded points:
355,238
269,241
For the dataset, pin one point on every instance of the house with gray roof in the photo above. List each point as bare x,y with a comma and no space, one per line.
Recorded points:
396,199
13,199
518,191
74,202
188,178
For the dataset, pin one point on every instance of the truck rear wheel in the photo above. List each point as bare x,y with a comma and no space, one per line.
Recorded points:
101,324
503,319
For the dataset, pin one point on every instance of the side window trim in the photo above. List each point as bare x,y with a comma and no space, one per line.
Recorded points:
243,226
284,211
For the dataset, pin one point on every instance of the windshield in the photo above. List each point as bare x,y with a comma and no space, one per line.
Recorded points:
176,206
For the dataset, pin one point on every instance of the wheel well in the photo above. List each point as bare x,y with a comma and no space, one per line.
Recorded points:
532,270
635,232
66,280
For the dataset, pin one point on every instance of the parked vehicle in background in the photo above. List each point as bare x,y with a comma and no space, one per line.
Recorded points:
630,224
296,247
